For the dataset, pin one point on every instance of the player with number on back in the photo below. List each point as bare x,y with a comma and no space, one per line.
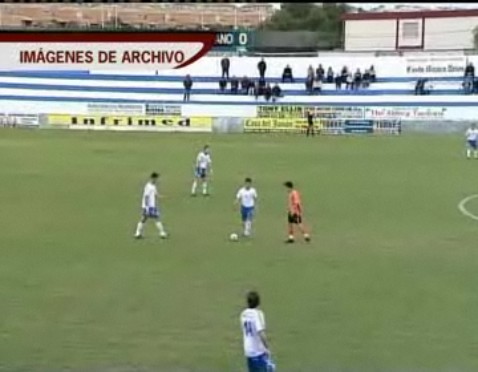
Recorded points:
149,208
472,142
247,197
202,170
256,347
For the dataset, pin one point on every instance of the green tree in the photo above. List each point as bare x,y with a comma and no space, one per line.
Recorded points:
324,19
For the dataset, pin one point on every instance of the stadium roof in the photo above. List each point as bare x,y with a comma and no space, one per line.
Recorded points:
435,13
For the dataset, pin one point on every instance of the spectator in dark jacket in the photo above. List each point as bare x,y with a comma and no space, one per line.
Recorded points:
344,74
470,70
262,85
330,75
320,73
188,84
245,82
234,85
222,84
366,79
268,92
225,64
261,66
373,76
338,81
276,92
287,74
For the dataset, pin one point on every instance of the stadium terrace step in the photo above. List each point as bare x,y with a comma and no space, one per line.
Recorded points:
215,79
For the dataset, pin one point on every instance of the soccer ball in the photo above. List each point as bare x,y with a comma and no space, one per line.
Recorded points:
234,237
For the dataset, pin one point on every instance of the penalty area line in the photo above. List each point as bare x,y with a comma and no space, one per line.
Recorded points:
462,207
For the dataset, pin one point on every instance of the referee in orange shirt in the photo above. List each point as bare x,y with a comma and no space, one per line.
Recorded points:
294,214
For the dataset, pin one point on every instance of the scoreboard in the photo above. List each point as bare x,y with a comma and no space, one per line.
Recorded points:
232,40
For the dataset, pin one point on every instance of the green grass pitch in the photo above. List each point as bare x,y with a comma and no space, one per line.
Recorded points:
389,283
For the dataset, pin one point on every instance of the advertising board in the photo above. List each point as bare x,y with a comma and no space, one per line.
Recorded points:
436,66
163,122
115,108
300,111
19,120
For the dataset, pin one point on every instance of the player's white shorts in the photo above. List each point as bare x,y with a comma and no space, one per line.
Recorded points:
200,172
151,212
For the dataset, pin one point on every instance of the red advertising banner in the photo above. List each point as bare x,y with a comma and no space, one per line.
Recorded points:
101,50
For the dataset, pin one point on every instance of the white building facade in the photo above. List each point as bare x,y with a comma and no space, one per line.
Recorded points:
438,30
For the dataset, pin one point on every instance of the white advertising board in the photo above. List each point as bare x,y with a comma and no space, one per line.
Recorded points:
403,111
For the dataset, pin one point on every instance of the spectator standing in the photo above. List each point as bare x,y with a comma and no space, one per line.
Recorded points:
222,84
245,83
338,81
309,84
287,74
320,73
470,70
330,75
234,85
366,79
262,67
373,76
188,84
225,64
344,73
262,85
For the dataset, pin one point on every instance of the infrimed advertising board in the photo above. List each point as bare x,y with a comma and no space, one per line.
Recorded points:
113,122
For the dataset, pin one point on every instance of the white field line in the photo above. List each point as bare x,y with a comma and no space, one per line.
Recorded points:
464,211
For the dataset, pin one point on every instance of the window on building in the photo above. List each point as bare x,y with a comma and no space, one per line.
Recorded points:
410,30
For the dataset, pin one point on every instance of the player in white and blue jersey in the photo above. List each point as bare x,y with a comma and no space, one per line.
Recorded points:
247,198
253,326
149,208
472,142
202,169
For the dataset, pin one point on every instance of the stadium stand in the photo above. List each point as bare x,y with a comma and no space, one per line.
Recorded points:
164,87
137,15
